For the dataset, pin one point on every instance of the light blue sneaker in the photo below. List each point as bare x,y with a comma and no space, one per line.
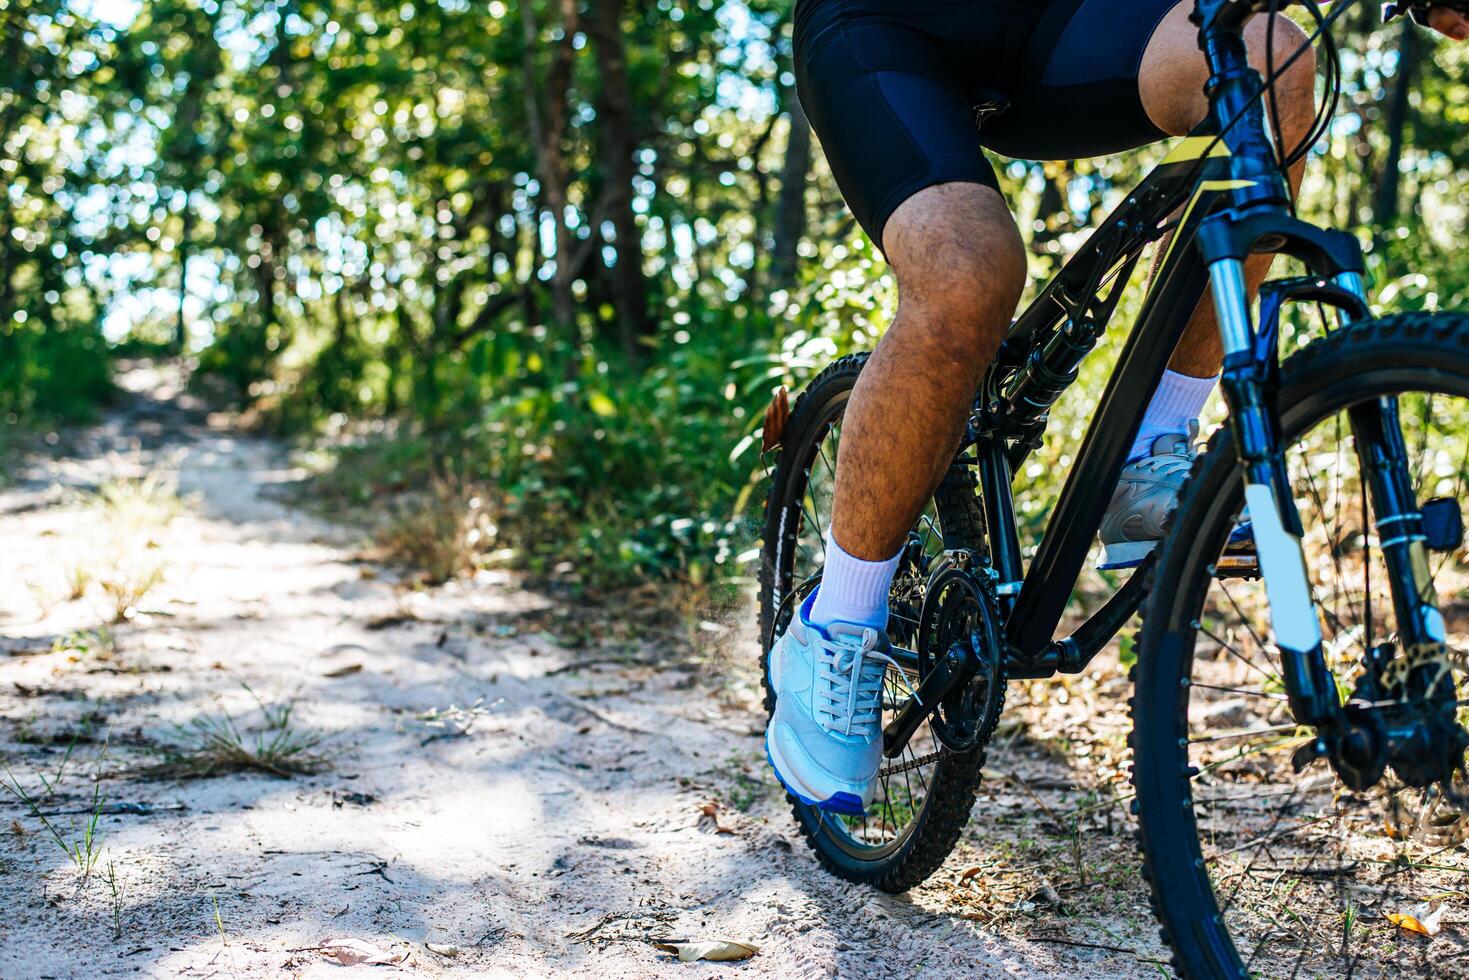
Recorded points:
825,739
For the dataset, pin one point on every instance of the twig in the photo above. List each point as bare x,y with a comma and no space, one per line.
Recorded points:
1012,777
599,661
1082,945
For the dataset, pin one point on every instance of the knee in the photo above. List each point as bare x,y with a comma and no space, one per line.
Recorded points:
1295,89
960,265
966,290
1172,86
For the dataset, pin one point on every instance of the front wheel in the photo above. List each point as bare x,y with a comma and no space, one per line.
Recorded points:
1260,862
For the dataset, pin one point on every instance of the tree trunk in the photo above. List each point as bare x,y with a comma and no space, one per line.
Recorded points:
548,124
615,125
181,330
1385,203
790,204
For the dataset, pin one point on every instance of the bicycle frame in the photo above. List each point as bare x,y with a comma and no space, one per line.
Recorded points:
1066,319
1234,202
1225,183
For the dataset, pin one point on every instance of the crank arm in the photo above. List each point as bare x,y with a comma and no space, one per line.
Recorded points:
951,672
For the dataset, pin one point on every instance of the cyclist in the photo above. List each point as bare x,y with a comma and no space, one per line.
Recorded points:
893,89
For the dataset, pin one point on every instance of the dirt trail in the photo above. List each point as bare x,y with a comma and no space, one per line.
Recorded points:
553,837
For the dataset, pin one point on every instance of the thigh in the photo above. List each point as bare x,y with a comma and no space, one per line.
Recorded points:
1078,92
877,83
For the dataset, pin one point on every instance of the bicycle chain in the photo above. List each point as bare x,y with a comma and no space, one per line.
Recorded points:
922,760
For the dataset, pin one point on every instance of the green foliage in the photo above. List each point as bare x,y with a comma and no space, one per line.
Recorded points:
543,248
53,360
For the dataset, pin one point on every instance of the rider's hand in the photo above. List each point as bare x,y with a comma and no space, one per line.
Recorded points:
1449,22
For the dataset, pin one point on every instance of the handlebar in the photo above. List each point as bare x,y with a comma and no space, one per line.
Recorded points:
1418,9
1239,11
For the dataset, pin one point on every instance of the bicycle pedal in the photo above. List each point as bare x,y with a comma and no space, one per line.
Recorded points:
1238,561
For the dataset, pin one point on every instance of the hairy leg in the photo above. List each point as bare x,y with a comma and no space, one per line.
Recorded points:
1171,84
960,266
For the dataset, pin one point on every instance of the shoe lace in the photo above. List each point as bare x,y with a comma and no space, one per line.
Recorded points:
1178,456
1167,463
850,675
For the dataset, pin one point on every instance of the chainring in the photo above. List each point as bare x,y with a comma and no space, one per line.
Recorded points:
960,607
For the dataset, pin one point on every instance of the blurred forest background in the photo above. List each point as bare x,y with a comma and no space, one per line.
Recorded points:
531,268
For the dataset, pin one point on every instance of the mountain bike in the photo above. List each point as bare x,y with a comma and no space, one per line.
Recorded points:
1295,712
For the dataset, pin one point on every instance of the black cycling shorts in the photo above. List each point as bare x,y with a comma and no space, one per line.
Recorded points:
891,88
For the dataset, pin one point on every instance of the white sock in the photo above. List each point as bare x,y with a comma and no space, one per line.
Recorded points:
1177,402
853,590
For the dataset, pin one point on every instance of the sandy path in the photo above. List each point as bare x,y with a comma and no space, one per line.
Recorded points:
562,828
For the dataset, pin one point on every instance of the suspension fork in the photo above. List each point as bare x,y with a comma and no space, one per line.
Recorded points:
1397,520
1250,382
1383,452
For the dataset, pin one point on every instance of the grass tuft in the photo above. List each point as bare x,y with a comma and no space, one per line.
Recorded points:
123,568
444,531
127,582
138,505
83,849
214,745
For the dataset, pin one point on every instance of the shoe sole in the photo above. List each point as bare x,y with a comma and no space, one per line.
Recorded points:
1125,554
843,803
1130,554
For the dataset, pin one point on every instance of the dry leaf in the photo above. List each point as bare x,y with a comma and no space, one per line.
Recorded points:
709,821
449,951
356,952
343,671
968,873
719,950
1422,918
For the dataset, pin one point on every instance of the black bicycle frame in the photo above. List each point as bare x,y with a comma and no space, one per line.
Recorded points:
1234,202
1039,361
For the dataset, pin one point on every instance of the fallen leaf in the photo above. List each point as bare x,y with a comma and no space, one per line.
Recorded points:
356,952
709,818
718,950
449,951
1422,918
344,671
968,873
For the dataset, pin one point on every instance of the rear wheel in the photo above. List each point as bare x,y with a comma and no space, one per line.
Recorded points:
1257,868
923,798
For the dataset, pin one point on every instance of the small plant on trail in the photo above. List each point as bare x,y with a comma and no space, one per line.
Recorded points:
83,850
116,900
132,513
78,580
138,505
126,584
213,745
444,531
79,645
